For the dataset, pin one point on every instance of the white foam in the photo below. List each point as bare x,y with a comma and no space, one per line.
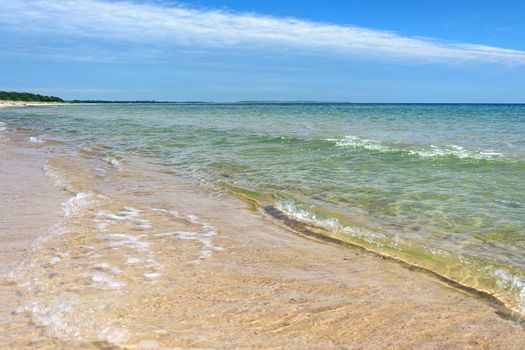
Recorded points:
513,284
136,243
329,223
126,240
144,253
36,139
185,234
55,316
430,151
115,335
359,142
173,213
131,209
102,225
292,210
54,260
76,203
192,218
202,237
117,217
113,161
104,281
435,151
132,260
153,275
491,153
106,218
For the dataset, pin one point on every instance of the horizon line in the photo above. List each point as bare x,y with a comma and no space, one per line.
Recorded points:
94,101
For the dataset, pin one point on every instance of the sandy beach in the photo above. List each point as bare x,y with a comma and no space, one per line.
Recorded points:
10,104
6,104
135,258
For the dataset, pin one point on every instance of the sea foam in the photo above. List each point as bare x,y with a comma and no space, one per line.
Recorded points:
424,151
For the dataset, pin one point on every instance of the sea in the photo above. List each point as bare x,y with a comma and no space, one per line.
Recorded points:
440,187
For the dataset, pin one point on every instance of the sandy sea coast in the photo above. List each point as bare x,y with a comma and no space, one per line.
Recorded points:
8,104
133,258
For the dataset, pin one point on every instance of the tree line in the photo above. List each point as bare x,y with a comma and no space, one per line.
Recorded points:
27,97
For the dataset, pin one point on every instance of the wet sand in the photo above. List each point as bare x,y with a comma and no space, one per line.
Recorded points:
30,204
146,260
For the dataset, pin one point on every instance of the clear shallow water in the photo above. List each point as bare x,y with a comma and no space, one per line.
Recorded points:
443,181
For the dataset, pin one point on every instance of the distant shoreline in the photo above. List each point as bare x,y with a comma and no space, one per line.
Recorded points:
7,104
4,104
282,102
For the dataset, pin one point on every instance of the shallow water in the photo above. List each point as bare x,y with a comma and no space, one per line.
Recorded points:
152,256
440,186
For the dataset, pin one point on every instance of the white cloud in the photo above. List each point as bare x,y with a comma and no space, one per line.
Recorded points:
176,25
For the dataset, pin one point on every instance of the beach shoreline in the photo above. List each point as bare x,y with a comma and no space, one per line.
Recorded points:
11,104
244,282
31,206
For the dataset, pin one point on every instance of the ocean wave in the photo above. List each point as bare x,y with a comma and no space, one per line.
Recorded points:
294,211
512,283
506,285
424,151
291,209
113,160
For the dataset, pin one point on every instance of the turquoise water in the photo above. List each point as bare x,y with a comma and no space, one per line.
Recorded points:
449,179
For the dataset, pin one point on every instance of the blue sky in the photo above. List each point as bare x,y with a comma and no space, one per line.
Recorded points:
355,51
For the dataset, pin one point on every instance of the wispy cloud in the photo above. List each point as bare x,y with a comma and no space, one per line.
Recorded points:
163,25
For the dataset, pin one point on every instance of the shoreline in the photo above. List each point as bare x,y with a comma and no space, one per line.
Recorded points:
31,206
25,185
11,104
504,304
273,287
311,233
